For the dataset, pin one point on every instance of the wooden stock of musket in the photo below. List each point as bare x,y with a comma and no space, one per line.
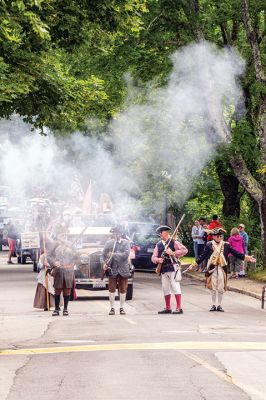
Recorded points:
159,266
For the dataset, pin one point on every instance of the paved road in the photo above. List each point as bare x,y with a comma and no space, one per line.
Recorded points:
143,355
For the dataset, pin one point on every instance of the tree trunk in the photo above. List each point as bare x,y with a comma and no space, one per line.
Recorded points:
230,188
257,191
263,224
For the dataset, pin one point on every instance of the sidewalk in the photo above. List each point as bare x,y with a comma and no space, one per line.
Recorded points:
245,286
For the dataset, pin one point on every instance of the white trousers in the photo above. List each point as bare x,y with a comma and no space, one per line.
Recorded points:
169,284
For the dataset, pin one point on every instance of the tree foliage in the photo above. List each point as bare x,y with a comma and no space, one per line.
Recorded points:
37,39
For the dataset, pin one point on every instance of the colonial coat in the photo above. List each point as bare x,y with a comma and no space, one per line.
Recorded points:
217,280
119,262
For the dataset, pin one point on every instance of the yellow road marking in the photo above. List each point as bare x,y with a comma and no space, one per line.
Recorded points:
208,366
143,346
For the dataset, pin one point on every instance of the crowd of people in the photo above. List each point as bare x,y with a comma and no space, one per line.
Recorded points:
238,240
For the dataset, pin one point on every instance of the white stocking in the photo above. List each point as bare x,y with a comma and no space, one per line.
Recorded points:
112,299
213,293
220,297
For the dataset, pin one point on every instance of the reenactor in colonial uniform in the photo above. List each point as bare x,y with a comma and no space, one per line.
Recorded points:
62,258
216,252
166,252
116,264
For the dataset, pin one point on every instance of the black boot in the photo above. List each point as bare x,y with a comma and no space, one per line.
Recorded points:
66,300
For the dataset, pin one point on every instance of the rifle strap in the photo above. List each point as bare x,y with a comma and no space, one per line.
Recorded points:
112,254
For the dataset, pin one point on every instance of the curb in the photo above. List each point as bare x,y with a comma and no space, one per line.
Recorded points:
230,288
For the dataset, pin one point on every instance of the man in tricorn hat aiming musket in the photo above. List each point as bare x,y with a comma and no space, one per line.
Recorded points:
216,252
166,251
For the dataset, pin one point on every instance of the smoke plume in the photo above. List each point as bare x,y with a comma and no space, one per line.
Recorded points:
152,153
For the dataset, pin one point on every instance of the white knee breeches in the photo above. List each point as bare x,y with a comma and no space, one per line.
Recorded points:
169,284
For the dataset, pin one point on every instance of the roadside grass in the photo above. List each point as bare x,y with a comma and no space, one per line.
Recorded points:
187,260
259,275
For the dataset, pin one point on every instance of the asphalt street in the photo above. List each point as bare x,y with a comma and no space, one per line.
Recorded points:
142,355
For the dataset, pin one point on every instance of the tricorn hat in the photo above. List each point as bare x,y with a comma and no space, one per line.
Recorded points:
162,228
217,231
118,230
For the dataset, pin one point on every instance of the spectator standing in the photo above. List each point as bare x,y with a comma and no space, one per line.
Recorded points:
215,223
245,237
12,236
204,262
237,243
195,235
201,235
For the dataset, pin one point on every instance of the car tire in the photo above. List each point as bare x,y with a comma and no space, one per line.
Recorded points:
19,259
129,295
23,259
35,266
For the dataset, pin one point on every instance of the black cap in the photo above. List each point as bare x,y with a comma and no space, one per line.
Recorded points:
118,230
163,228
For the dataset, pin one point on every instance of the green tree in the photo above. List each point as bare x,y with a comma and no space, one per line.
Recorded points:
37,40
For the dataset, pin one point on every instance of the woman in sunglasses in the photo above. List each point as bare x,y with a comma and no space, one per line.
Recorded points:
216,252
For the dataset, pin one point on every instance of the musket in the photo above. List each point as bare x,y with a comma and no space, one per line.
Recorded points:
159,266
108,262
46,270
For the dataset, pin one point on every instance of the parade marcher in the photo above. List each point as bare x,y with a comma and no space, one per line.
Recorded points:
173,251
217,251
116,265
62,259
40,299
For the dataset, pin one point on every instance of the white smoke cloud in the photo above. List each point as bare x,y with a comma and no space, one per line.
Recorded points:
163,143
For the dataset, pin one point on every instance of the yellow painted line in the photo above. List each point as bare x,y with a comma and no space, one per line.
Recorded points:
222,375
143,346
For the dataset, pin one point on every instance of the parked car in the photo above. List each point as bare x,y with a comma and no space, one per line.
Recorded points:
143,239
89,243
28,246
3,231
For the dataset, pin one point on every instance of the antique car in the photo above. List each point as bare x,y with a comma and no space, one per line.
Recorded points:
89,243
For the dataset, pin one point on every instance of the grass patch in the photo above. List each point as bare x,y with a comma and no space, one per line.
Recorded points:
187,260
258,275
